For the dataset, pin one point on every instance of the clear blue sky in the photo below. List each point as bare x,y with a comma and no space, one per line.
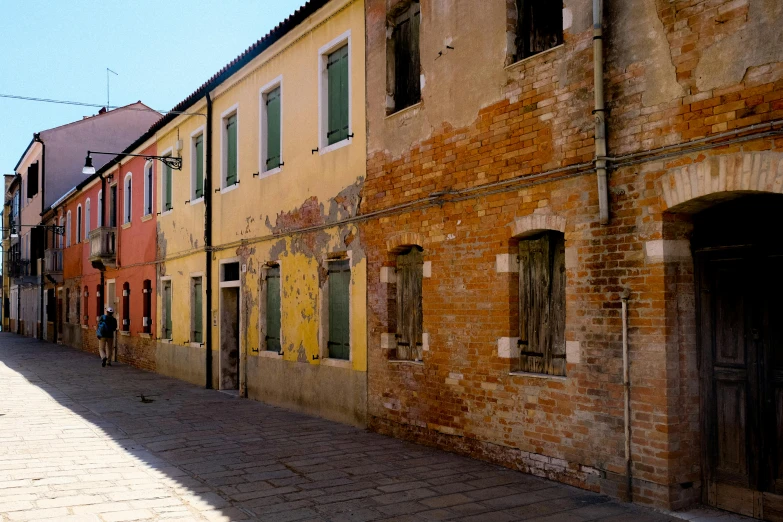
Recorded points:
163,50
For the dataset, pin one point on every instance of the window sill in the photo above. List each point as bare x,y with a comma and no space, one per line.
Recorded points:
224,190
337,363
197,200
125,333
409,108
528,58
166,213
146,218
270,172
539,376
145,335
269,354
166,341
195,345
126,225
85,327
335,146
401,361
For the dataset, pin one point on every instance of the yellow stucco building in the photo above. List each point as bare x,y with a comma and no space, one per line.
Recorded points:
262,275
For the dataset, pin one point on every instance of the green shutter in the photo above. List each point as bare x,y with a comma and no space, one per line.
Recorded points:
339,317
197,312
337,94
273,309
167,309
167,189
200,167
273,129
231,150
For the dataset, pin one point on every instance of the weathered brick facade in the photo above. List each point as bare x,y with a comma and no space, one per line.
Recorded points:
493,154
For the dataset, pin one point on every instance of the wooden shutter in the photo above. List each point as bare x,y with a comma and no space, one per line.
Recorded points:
273,309
199,146
167,333
167,188
542,304
337,94
125,307
339,318
231,150
32,180
198,328
539,26
146,311
273,129
407,63
409,306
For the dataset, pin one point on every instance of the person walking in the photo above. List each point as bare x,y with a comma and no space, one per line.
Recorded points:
107,325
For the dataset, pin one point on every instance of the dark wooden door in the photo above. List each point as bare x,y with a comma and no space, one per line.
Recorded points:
741,337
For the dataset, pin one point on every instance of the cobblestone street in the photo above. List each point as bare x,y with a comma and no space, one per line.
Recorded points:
77,442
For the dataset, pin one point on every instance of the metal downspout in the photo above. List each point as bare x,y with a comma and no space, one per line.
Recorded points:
599,113
208,243
626,294
37,137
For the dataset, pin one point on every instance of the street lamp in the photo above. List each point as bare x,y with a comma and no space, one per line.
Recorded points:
170,161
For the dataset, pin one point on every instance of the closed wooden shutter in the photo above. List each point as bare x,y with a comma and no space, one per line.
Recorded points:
167,188
273,129
339,318
198,328
146,306
125,307
231,150
167,327
407,63
273,309
337,93
409,305
199,146
542,304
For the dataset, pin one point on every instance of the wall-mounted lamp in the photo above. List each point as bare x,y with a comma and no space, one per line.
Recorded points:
170,161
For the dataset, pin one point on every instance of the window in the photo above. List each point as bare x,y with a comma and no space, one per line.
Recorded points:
99,308
148,188
197,312
67,305
230,272
337,95
125,307
100,208
538,26
271,127
339,287
272,311
60,236
87,214
32,180
542,282
86,306
410,266
113,205
166,188
402,54
128,198
197,167
146,320
165,332
79,224
230,151
68,229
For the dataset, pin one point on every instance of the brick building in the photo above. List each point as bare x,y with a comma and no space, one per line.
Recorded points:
499,284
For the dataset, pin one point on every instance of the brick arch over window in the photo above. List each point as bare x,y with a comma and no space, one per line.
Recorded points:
404,241
534,223
694,187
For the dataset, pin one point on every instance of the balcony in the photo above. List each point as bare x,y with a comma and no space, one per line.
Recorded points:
53,264
103,247
22,273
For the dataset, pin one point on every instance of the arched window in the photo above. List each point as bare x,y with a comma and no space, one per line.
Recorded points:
100,208
87,216
79,224
127,199
68,230
148,188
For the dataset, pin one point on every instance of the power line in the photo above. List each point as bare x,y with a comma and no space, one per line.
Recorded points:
100,105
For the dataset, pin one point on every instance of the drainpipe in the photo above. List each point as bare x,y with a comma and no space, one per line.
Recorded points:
600,113
626,294
102,210
208,242
37,137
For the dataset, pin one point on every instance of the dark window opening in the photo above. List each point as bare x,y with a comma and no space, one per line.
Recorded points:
146,306
32,180
125,307
231,272
113,206
86,306
403,57
539,26
197,319
409,304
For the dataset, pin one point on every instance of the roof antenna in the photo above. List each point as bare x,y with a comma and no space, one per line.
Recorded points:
108,105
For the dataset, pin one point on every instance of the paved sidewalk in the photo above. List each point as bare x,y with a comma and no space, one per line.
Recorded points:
78,443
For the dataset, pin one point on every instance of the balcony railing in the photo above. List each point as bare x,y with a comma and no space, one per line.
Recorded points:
103,247
53,261
19,268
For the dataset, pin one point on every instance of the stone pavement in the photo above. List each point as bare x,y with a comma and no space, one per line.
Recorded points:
78,443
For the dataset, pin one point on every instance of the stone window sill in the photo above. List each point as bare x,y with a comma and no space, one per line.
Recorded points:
402,361
146,218
125,334
126,226
539,376
269,354
195,345
528,58
337,363
410,108
145,335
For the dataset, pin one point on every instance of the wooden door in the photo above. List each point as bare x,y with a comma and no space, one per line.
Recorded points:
742,396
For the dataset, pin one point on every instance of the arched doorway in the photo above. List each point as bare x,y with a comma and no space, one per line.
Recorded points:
738,261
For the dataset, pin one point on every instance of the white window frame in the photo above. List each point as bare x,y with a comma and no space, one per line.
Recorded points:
127,199
262,147
162,185
79,222
100,209
323,96
148,188
324,316
234,109
193,135
87,216
68,229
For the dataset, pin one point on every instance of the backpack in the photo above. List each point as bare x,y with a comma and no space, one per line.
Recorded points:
103,328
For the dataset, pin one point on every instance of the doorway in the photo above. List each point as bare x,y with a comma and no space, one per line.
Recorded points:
229,326
738,254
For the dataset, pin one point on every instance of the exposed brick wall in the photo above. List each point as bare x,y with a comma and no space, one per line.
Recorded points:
137,351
